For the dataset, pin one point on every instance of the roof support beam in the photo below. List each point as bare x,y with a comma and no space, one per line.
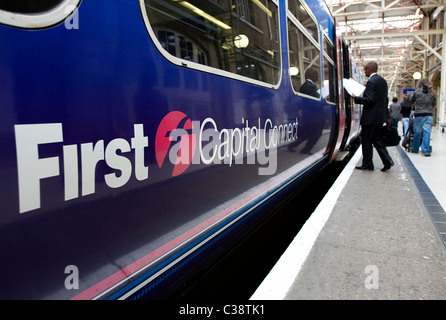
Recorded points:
379,30
395,34
392,4
342,9
386,10
427,46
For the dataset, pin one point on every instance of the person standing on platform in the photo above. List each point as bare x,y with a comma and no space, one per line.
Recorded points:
395,112
424,99
406,109
373,119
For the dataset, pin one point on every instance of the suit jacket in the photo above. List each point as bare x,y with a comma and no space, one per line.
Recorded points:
309,88
375,101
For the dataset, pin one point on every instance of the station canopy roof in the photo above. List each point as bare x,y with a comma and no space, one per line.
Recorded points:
393,33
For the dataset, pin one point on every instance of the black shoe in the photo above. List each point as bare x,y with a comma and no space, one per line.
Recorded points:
364,168
387,166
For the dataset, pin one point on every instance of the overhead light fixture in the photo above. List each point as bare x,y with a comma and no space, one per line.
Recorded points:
203,14
417,13
241,41
417,75
294,71
263,8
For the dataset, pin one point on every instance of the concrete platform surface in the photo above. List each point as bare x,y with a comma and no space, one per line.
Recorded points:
381,240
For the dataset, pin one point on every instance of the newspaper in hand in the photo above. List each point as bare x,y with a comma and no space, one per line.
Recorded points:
353,87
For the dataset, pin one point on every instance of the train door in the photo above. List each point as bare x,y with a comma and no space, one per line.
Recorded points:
352,112
331,81
345,99
340,106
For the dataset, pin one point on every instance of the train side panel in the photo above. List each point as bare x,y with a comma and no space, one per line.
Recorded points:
124,167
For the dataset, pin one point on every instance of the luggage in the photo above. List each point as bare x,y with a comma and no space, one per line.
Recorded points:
406,142
390,136
408,138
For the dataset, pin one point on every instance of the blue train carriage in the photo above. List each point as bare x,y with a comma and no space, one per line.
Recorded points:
143,139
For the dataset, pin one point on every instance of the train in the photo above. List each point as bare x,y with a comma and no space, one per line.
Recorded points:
142,139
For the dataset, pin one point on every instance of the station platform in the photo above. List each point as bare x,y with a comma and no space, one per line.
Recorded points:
375,235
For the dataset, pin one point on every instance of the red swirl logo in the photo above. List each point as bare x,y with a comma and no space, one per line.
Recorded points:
173,127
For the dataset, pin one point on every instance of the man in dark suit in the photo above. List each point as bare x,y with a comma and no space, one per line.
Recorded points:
374,116
309,87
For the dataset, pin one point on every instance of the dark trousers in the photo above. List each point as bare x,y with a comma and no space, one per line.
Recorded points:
371,136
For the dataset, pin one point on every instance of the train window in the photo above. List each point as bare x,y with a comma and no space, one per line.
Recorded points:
305,17
180,46
32,14
304,58
236,38
329,48
28,6
251,69
329,88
